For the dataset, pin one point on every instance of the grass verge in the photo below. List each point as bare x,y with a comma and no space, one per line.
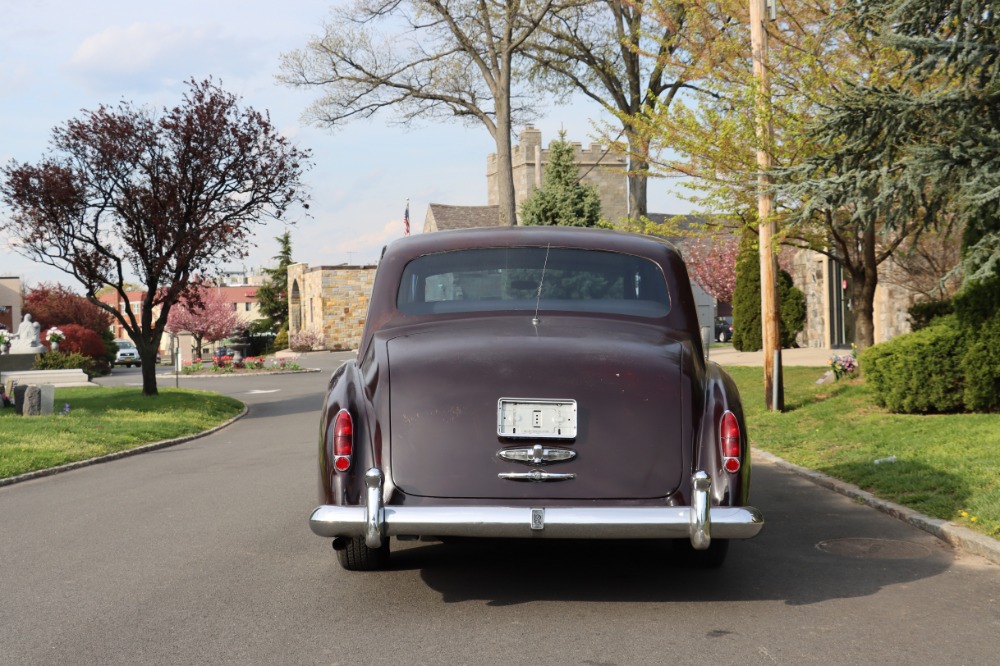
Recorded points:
105,420
946,465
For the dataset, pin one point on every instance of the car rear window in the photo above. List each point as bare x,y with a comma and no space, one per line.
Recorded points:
564,279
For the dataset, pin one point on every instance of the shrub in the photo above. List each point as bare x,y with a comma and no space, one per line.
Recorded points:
66,361
978,302
82,340
793,309
920,372
981,366
922,314
304,341
281,340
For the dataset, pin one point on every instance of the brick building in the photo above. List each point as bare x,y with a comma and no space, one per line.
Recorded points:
242,298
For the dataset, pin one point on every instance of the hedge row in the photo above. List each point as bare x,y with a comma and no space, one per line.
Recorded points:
944,367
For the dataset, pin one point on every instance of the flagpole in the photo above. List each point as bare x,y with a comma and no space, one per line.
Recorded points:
406,219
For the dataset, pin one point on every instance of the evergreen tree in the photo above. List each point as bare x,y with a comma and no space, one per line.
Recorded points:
746,296
563,199
272,296
747,334
928,150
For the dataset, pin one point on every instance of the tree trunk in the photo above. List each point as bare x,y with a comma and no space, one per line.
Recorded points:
638,173
507,207
148,368
638,180
864,281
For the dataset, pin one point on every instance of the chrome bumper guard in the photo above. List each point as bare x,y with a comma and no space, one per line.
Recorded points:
699,522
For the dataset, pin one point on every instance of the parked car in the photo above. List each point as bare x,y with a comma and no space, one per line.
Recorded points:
128,355
723,329
532,382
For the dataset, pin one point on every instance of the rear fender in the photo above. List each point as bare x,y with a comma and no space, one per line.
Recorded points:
345,391
721,395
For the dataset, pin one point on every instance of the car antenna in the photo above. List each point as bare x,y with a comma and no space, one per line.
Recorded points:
541,281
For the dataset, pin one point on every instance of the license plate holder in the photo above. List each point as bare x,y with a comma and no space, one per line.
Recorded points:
530,418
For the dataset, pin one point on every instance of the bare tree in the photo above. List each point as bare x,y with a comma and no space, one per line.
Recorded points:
161,197
440,59
629,56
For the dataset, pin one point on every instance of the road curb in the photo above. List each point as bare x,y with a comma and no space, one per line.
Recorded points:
145,448
955,535
220,375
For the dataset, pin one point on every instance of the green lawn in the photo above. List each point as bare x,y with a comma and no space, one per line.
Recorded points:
947,466
105,420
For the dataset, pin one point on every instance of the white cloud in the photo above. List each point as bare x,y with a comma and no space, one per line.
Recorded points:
145,56
374,239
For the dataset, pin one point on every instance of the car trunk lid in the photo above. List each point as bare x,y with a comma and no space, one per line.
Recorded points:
627,379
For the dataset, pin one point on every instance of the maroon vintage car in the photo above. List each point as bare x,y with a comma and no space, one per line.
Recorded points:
532,382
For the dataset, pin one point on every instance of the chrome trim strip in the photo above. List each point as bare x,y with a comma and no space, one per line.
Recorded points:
536,455
374,512
536,475
619,522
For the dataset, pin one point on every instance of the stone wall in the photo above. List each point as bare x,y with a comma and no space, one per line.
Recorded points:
811,273
598,166
330,301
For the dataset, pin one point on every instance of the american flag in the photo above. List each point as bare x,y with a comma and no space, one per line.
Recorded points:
406,219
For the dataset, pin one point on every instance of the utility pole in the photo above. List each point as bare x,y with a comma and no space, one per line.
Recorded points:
760,11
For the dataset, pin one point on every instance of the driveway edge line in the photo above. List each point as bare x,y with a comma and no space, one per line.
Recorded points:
951,533
145,448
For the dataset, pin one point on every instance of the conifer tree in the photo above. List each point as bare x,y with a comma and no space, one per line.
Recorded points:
563,199
272,296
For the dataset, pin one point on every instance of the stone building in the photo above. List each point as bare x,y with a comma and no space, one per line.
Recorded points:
598,167
330,302
829,322
10,302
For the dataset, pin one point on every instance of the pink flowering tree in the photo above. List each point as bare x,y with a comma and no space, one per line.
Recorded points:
711,262
205,316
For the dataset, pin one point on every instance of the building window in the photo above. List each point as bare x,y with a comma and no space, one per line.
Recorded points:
246,307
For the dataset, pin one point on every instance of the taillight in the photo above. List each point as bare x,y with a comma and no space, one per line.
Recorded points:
343,441
729,440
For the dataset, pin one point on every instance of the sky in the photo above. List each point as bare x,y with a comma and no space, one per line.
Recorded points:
58,57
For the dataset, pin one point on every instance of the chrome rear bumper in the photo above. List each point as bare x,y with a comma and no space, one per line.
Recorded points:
699,523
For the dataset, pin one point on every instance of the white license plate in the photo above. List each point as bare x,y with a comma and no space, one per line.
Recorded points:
549,419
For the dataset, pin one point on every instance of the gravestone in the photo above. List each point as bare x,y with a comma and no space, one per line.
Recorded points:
33,401
48,399
19,398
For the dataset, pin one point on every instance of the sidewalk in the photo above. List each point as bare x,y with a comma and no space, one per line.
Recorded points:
807,356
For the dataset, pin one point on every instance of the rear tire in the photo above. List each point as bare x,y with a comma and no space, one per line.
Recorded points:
357,556
711,558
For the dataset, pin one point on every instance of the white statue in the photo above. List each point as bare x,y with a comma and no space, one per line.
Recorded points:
28,339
